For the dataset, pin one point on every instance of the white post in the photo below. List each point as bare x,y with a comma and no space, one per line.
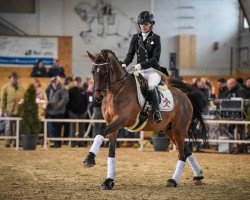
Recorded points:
45,134
17,133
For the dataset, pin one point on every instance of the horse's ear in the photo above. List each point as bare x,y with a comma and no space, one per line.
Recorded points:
105,54
92,57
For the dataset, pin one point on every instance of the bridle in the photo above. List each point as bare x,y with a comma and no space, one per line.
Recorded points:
108,84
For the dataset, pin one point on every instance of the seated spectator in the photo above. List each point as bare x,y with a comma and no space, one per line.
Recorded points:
56,70
39,70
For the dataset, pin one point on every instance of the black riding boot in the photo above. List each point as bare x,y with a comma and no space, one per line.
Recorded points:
155,104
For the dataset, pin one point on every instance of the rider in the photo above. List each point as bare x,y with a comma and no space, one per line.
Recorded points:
147,46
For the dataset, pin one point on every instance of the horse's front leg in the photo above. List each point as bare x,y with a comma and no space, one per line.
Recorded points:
108,184
90,159
175,180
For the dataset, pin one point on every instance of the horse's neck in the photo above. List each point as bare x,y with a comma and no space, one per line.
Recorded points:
118,71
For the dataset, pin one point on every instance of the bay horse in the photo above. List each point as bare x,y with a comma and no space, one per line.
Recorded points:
117,90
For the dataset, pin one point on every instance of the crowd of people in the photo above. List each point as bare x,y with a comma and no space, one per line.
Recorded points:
227,89
56,69
71,99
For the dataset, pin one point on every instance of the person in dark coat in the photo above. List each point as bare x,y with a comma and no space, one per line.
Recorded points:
56,70
78,103
39,70
147,46
236,90
58,98
222,88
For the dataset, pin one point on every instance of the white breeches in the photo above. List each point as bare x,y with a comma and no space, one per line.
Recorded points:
152,76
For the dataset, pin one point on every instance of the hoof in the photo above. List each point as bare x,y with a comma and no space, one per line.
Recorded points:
90,160
171,183
198,180
108,184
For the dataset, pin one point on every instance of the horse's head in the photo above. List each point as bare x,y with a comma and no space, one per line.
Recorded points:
101,70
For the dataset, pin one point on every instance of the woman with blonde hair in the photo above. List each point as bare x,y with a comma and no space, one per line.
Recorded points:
41,98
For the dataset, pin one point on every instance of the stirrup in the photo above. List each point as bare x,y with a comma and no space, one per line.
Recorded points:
157,116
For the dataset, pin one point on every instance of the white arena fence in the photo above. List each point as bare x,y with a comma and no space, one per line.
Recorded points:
140,139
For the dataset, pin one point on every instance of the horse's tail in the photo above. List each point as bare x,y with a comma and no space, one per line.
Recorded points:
198,102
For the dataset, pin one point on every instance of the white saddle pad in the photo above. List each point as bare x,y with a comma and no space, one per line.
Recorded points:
167,101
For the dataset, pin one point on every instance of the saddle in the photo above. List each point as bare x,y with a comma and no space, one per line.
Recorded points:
165,97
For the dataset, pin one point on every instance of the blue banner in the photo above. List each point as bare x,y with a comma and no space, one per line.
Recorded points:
24,61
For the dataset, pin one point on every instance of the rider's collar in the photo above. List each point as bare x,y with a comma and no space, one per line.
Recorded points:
149,35
144,35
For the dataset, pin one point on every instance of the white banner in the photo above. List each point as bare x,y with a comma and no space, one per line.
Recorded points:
27,50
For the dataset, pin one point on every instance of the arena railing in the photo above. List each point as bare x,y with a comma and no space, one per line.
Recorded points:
16,137
46,138
140,139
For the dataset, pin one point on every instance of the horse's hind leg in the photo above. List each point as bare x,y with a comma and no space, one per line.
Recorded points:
108,184
194,165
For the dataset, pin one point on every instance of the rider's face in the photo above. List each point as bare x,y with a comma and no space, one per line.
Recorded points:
145,27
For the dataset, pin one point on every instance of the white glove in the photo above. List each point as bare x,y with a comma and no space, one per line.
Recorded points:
138,67
136,73
124,65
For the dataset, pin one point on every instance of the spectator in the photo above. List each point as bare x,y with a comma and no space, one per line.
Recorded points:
240,81
57,100
78,103
235,90
11,100
88,86
56,70
39,70
201,85
222,88
247,87
68,83
41,99
221,94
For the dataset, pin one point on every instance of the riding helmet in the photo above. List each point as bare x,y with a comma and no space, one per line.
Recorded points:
145,17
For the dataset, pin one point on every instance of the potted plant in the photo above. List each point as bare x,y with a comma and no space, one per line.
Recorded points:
160,141
30,123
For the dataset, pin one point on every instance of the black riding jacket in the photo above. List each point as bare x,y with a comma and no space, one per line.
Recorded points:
148,51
